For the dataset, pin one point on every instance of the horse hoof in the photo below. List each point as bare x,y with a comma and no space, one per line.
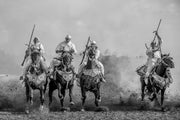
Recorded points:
27,111
65,109
71,103
102,109
41,108
82,110
61,97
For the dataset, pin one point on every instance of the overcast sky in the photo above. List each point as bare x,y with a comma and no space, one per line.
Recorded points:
121,26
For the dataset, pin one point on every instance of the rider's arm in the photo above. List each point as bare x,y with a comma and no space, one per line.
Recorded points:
156,49
97,54
73,49
42,49
26,68
59,48
159,39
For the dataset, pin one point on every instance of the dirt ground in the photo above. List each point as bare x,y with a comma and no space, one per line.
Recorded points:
127,106
90,115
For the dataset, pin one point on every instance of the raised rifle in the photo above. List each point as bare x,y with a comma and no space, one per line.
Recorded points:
155,33
84,53
26,54
156,30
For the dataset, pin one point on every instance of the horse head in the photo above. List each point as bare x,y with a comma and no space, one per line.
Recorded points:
92,53
35,56
167,61
66,58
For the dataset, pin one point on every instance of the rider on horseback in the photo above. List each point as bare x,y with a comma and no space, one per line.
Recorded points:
93,53
154,56
65,46
38,48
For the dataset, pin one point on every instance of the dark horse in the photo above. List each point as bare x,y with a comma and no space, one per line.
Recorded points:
63,79
153,86
90,83
35,79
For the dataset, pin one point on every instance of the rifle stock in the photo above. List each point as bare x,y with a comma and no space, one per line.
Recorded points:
28,46
84,53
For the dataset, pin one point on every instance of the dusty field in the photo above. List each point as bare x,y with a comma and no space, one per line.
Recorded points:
90,115
121,105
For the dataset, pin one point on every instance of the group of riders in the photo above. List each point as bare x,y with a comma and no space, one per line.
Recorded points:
91,65
66,46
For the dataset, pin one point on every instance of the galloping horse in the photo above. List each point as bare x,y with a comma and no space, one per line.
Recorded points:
35,79
63,79
159,79
88,82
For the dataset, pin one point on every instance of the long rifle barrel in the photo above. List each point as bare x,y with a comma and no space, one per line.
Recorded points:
31,36
84,53
28,45
157,30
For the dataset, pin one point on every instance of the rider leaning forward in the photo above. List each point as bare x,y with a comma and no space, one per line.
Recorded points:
65,46
93,47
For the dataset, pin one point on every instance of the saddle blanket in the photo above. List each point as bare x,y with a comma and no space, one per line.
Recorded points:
37,79
92,72
68,76
160,81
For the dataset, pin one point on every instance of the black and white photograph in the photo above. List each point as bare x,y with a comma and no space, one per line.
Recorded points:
89,59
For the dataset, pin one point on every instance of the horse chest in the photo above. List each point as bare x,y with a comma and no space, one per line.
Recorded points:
161,71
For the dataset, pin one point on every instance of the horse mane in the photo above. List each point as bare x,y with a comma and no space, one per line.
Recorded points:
168,60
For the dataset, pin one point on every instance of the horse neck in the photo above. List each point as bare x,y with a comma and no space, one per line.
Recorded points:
89,64
161,70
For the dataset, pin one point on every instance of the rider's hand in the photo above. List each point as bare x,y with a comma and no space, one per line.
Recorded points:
156,32
21,77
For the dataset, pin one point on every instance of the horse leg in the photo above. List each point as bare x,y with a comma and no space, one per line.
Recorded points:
162,99
31,96
50,95
97,97
52,87
83,93
142,89
71,94
63,91
27,99
42,97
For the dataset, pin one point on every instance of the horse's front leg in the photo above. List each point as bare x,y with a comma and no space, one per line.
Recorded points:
71,94
62,91
52,87
162,98
27,98
142,88
83,93
97,98
42,93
